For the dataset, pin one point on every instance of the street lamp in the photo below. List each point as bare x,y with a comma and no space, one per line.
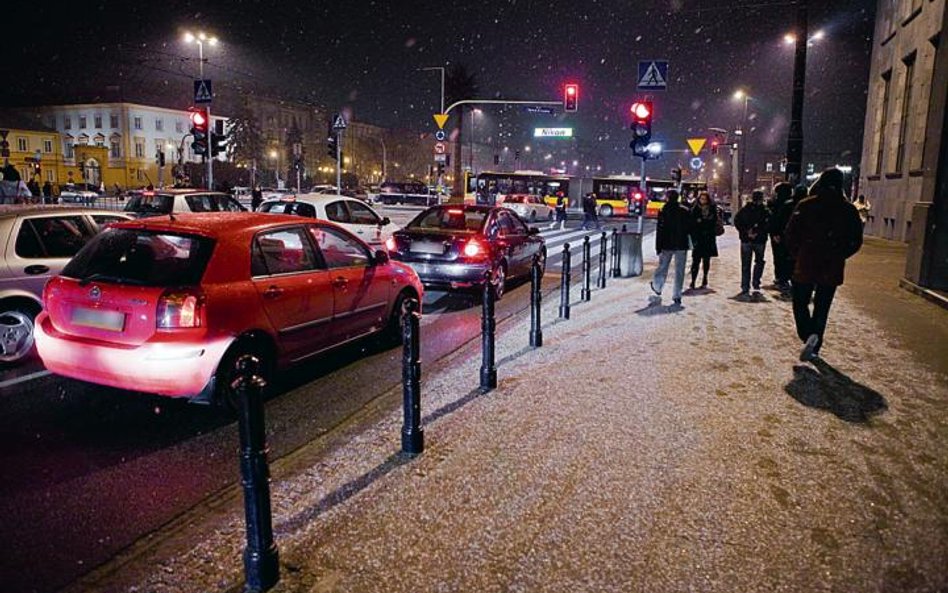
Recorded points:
201,38
741,95
474,111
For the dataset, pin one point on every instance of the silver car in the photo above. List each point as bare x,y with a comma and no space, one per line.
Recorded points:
35,243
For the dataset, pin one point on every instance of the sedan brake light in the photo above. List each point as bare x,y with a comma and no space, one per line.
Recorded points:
180,308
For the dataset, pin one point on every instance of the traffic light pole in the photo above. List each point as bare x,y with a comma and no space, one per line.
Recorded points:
208,157
639,225
338,160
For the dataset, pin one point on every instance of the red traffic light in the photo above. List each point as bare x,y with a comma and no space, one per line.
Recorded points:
571,89
571,99
198,119
641,110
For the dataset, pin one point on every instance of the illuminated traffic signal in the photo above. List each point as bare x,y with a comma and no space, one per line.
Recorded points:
571,97
199,129
714,146
641,127
636,203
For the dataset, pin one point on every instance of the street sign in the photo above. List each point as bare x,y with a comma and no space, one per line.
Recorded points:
553,132
439,136
696,144
440,119
202,91
339,122
696,163
653,75
540,109
439,147
441,158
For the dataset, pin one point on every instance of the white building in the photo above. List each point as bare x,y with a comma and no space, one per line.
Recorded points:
133,134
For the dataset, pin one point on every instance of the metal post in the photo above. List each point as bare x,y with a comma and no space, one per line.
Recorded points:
615,253
261,558
603,272
536,297
339,161
488,370
210,159
565,280
585,292
795,137
735,178
644,204
413,435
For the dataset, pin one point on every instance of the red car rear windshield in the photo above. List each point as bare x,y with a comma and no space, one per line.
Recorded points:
144,258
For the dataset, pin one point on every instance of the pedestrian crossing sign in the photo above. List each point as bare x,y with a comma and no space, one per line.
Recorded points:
202,91
653,75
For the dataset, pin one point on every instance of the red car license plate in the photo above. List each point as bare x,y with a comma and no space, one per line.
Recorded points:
99,319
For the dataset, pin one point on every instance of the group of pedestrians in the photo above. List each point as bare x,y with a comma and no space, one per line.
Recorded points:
812,233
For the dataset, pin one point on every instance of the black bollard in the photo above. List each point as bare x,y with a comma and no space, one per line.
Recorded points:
488,370
536,297
585,293
565,280
413,435
603,269
615,254
261,558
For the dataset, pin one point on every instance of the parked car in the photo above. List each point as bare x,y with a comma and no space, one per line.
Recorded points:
168,201
352,214
408,192
35,243
268,192
529,207
80,193
453,246
169,306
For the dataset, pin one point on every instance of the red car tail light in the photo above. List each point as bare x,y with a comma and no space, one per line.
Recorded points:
474,249
390,244
180,308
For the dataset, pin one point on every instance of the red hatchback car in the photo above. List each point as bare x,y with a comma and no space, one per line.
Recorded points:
167,305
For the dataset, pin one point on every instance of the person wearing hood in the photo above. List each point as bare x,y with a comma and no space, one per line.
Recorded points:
823,232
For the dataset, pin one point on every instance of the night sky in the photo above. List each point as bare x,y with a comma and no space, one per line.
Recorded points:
364,57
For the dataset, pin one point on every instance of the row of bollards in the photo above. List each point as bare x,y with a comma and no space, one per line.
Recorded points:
260,556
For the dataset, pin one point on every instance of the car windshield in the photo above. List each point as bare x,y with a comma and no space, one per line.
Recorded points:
453,219
141,257
150,204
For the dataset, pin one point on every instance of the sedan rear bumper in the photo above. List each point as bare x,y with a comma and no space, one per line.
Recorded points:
450,274
165,365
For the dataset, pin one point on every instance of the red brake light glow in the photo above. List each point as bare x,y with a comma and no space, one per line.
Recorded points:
180,309
390,244
455,211
473,248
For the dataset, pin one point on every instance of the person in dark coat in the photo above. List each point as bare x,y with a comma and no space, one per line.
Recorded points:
752,224
590,212
824,230
561,204
704,239
47,192
256,198
34,188
671,241
779,216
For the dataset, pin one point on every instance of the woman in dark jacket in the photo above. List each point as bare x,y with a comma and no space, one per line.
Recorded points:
703,237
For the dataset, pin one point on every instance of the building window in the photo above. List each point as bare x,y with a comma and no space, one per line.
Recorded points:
179,127
159,125
50,175
114,151
137,122
22,144
880,129
97,121
904,121
69,150
67,122
113,121
82,122
47,146
140,148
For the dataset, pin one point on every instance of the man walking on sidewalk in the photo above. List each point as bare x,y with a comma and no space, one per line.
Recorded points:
824,230
779,216
671,240
751,223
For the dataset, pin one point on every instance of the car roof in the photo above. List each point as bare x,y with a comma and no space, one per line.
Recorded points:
314,198
12,210
181,191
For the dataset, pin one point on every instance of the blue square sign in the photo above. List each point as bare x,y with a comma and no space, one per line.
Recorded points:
653,75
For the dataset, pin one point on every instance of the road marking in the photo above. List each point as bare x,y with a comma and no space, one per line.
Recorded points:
24,378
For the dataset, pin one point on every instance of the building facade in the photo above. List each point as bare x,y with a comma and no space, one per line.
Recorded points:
903,160
116,145
34,149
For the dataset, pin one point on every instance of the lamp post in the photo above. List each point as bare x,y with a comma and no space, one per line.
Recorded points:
795,137
200,38
743,139
274,156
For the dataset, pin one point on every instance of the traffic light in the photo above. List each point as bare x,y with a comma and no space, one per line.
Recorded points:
199,128
636,203
641,127
332,143
571,97
714,146
218,143
676,174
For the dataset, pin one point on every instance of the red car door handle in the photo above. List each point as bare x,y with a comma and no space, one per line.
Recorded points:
340,282
272,292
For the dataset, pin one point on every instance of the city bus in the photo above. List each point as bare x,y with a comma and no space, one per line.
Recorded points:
494,186
657,188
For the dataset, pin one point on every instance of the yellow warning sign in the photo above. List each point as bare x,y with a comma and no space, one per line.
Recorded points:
440,119
696,144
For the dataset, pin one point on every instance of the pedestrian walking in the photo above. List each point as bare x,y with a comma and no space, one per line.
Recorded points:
823,232
779,216
671,242
863,208
705,226
561,203
256,198
47,192
34,188
590,212
751,223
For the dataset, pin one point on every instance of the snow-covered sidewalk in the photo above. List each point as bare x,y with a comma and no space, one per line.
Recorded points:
641,449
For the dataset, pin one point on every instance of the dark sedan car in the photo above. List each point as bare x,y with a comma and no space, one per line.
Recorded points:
453,246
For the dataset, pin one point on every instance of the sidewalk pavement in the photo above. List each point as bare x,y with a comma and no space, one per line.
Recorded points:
641,449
